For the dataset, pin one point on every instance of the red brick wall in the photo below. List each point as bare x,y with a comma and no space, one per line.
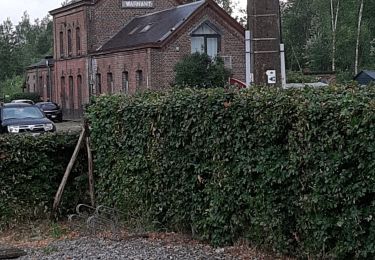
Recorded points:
107,17
37,81
63,95
117,63
70,20
158,64
71,64
31,80
232,44
99,22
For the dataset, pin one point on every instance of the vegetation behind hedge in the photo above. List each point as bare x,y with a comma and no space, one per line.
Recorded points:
201,71
293,170
31,169
26,95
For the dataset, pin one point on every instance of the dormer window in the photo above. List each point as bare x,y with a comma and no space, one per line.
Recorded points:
206,39
146,28
134,30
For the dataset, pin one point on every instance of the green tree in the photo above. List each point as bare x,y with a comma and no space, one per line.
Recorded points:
227,5
7,49
20,46
321,35
199,70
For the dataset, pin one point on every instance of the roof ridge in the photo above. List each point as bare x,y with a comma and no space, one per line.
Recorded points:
169,9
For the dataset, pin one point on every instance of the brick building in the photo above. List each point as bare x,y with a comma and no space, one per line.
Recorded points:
40,77
124,46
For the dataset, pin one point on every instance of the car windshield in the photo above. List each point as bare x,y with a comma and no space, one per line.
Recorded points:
21,113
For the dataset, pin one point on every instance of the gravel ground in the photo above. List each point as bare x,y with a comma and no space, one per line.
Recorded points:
69,126
137,248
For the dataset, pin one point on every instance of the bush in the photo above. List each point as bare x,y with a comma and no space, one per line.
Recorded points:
299,77
198,70
292,170
11,85
31,169
31,96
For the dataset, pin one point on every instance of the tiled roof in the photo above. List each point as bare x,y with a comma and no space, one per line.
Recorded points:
43,63
371,73
151,28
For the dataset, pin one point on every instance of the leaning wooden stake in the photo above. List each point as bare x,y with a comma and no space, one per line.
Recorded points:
68,170
90,165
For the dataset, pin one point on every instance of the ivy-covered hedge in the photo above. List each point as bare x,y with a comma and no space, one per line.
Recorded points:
293,170
31,169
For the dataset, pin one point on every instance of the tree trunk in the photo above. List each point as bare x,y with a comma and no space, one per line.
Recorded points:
358,35
334,18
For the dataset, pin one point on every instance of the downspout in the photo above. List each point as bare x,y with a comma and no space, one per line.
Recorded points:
49,81
148,76
248,58
282,53
37,80
283,70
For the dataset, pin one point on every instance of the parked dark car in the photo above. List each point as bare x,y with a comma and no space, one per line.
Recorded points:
24,118
51,109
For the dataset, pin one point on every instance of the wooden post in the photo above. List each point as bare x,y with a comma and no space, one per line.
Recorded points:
10,252
68,170
90,165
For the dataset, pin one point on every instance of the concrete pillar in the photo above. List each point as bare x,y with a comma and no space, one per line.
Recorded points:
264,24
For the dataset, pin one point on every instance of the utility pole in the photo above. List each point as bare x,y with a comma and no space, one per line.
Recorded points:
264,26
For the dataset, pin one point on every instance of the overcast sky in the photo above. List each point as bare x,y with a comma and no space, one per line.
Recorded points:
14,9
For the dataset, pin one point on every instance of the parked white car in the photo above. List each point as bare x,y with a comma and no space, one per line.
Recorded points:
27,101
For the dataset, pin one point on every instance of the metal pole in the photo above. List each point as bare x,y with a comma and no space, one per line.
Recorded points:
282,59
248,58
49,91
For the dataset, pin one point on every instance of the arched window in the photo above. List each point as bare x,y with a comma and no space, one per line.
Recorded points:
206,39
62,91
78,41
79,91
70,42
61,44
98,86
40,85
70,100
139,79
125,82
110,83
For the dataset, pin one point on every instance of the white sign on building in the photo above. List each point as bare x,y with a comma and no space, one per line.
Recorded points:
271,76
137,4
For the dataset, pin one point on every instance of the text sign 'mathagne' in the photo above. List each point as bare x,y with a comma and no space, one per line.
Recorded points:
137,4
